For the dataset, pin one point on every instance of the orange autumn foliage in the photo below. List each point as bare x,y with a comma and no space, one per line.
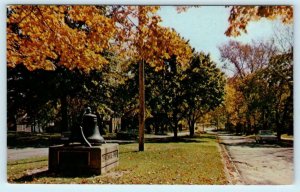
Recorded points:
40,37
240,16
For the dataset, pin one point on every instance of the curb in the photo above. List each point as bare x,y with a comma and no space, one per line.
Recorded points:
232,173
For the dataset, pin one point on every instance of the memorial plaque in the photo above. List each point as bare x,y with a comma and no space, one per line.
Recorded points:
110,155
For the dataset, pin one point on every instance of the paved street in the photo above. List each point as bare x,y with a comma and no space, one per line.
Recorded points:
259,163
23,153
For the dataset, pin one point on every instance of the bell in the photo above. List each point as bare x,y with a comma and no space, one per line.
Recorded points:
90,128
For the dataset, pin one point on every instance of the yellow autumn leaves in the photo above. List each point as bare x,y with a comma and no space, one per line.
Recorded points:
141,36
41,37
240,16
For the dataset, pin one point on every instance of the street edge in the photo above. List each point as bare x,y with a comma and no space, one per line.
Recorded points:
231,172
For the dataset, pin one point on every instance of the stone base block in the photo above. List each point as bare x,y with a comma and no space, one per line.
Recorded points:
82,159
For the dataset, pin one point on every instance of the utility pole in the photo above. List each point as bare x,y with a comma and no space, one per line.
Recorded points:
141,106
141,91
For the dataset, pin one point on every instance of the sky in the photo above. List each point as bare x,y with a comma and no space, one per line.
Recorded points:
205,26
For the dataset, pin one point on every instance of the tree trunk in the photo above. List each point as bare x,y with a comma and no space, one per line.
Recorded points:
156,128
192,128
255,125
175,132
287,122
175,126
278,130
278,125
64,114
141,106
33,125
15,121
162,128
248,124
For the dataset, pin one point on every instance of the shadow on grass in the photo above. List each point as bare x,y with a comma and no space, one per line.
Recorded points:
253,144
48,174
207,136
180,139
249,141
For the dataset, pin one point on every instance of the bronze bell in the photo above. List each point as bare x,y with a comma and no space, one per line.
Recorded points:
90,129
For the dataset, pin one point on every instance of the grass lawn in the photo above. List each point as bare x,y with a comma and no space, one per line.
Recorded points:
187,161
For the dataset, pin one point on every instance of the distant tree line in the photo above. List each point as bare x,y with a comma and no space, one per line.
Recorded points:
259,94
173,94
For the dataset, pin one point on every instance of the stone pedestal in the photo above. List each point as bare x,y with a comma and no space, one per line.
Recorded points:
82,159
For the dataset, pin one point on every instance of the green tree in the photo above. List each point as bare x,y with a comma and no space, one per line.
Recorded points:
279,87
203,85
164,94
